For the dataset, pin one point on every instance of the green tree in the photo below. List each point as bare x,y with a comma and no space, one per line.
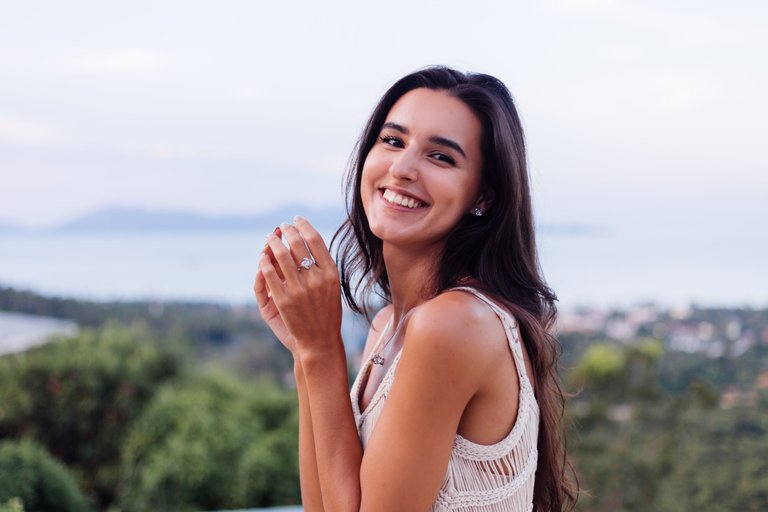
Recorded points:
720,463
32,479
616,448
12,505
212,442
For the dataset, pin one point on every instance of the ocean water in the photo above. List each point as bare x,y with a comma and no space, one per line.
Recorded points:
588,269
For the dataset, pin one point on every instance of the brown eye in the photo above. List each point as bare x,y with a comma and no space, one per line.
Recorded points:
391,141
442,157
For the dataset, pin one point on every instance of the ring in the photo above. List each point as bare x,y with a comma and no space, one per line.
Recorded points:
306,263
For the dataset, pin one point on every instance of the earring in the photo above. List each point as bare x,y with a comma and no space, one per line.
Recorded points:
477,212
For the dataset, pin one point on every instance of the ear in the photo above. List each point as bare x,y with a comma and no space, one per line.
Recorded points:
483,202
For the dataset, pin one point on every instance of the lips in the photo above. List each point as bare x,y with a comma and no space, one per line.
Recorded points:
398,199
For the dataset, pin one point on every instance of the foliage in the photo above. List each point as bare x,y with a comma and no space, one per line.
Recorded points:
77,397
721,462
206,331
12,505
601,364
212,442
637,448
32,480
149,427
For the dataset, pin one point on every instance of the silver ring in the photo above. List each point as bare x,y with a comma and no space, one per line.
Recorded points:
306,264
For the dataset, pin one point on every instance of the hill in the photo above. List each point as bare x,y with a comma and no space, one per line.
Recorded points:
133,219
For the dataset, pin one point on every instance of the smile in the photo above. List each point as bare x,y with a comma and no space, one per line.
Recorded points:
400,200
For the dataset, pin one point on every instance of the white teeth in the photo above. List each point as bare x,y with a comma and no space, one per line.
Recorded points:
395,198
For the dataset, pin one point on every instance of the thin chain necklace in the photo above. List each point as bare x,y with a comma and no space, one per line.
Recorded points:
377,358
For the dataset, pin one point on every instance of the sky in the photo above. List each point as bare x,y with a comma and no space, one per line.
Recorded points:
638,115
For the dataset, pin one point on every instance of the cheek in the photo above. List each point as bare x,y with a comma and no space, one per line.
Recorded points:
374,163
373,169
472,187
458,193
367,183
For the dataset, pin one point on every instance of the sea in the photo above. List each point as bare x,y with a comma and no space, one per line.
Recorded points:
591,268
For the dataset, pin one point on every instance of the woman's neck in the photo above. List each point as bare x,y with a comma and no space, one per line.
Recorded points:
412,276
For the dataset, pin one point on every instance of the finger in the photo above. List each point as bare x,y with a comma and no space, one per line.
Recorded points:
273,283
271,256
260,289
284,260
296,243
314,242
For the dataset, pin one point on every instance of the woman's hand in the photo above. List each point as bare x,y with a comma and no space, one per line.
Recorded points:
267,307
301,306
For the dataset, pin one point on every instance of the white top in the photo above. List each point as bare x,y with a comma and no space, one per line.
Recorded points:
479,478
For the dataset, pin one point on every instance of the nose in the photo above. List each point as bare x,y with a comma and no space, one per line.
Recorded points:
404,166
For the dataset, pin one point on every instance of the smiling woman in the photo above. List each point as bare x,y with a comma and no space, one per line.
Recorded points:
457,405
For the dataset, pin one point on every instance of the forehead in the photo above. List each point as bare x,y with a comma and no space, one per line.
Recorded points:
425,112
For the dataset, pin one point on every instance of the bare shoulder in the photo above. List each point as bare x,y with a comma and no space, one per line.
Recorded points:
458,329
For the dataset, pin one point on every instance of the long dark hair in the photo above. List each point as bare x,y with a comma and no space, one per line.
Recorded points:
496,253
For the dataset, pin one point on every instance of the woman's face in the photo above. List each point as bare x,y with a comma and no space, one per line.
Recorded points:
423,173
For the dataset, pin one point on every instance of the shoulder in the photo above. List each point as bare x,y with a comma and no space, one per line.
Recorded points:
454,315
457,330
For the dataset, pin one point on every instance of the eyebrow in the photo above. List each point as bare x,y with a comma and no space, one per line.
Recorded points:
442,141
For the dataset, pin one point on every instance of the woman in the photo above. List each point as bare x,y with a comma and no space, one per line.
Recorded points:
457,405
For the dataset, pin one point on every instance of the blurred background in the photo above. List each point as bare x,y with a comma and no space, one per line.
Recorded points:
146,149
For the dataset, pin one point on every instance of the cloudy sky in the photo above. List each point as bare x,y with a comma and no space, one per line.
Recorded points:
637,113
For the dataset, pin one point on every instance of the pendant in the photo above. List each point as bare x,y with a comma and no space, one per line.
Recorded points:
377,359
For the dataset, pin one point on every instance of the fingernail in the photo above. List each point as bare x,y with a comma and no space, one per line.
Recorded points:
297,218
283,225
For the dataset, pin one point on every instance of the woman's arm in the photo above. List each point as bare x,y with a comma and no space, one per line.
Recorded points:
310,483
337,444
311,495
309,306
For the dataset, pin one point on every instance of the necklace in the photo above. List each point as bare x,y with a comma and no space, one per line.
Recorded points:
377,358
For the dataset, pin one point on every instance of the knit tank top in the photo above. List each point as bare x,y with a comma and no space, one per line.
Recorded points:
479,478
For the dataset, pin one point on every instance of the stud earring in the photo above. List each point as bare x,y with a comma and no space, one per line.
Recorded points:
477,212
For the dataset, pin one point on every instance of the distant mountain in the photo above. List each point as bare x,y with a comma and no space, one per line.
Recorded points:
129,219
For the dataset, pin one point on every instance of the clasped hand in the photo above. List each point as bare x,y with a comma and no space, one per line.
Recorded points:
302,306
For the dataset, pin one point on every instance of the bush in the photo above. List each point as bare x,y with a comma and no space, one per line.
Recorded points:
267,471
212,442
12,505
721,462
32,480
78,397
